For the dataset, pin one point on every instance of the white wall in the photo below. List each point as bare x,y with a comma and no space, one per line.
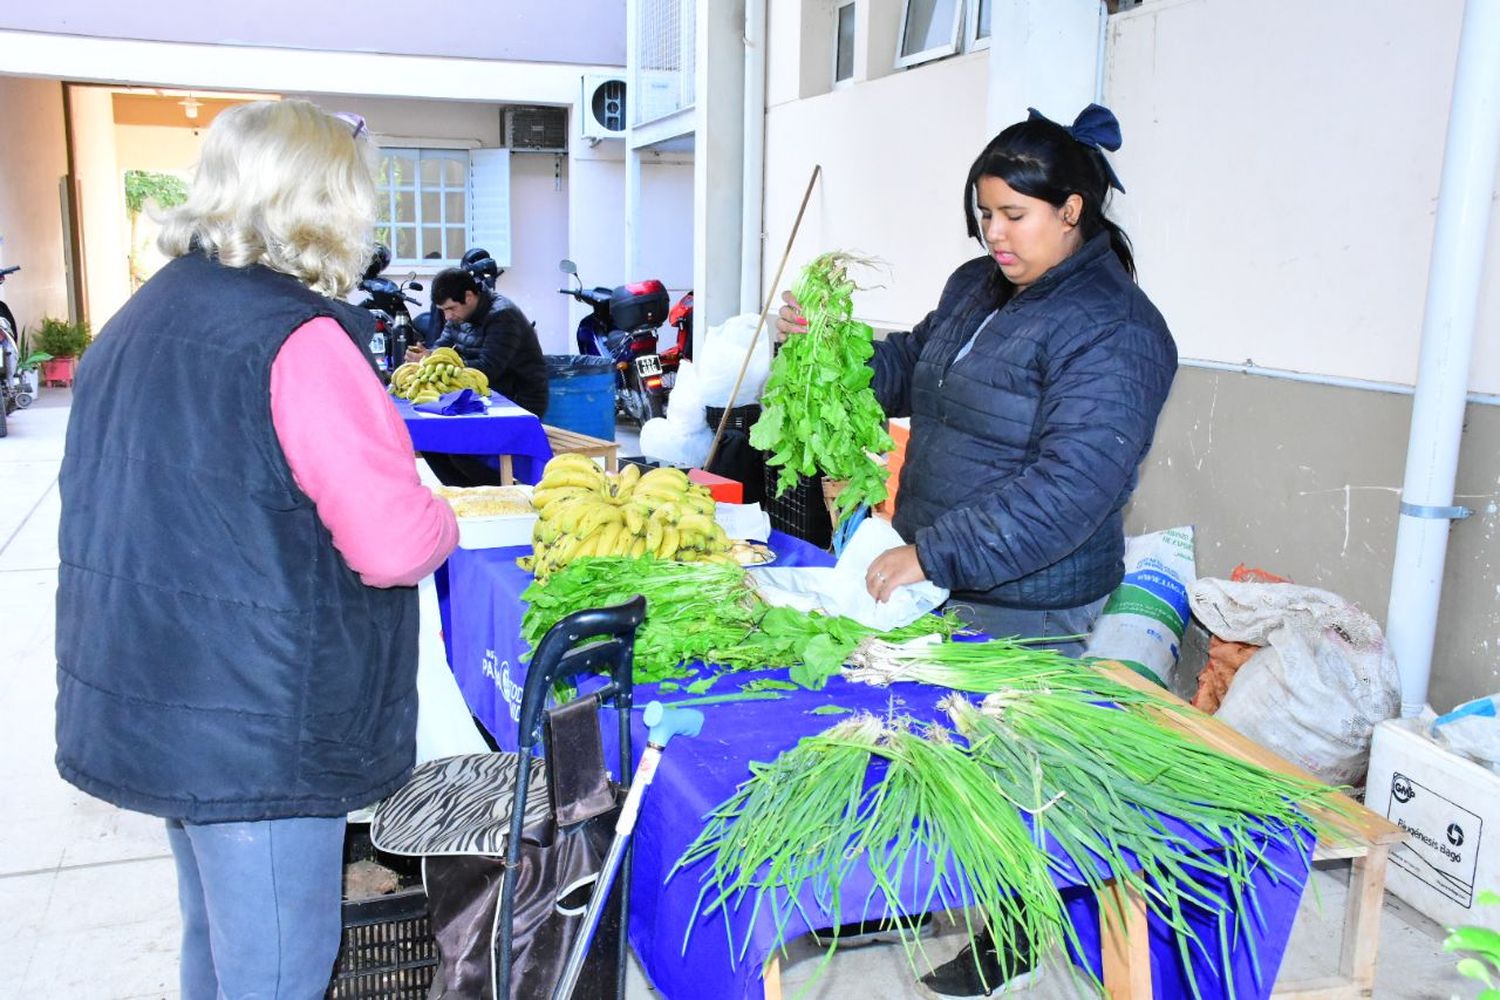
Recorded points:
539,239
33,160
1283,161
895,152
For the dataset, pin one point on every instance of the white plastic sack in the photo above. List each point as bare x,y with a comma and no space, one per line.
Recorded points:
721,353
840,589
1325,678
685,403
1472,730
675,444
444,725
1143,620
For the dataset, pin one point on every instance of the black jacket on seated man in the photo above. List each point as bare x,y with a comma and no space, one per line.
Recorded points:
491,333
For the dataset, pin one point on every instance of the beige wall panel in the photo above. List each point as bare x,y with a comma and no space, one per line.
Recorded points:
1304,480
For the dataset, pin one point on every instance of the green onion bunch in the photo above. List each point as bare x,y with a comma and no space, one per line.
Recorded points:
807,820
1093,764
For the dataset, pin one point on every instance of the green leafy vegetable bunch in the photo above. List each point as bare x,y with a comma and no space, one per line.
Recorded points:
819,414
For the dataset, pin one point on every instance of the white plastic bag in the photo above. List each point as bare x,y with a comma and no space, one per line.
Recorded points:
1142,622
674,444
1325,678
840,589
723,351
1472,730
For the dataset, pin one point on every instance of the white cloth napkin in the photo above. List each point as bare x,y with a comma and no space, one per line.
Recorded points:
840,589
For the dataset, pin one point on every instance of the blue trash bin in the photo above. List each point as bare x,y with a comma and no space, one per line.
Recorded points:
581,394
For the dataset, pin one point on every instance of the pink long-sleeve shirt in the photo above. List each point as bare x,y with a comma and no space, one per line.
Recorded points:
350,453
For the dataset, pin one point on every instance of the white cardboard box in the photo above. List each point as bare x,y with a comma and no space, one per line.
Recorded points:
1450,808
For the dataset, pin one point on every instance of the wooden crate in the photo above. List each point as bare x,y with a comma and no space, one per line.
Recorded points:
566,441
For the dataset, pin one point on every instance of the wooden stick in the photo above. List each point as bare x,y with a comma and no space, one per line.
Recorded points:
713,448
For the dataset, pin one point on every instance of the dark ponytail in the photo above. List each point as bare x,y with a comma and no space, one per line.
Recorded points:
1045,160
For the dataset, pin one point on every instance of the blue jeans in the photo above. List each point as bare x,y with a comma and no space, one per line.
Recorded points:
260,907
1002,623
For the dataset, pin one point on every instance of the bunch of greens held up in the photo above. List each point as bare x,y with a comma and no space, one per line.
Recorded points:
818,412
709,612
1060,771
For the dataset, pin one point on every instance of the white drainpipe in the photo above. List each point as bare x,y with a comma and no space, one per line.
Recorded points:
1453,287
755,155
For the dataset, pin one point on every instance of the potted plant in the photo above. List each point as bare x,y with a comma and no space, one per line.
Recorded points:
28,359
64,341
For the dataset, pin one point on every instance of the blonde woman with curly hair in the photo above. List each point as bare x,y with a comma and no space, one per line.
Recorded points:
242,532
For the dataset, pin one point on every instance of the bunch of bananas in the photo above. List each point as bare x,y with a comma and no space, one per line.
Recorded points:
586,512
440,372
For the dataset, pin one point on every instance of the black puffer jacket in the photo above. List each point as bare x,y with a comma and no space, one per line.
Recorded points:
1024,452
502,343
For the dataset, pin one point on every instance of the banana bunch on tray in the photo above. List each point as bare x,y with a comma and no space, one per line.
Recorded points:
440,372
583,511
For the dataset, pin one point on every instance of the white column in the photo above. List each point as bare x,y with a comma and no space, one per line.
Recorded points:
1043,54
718,161
754,157
1453,287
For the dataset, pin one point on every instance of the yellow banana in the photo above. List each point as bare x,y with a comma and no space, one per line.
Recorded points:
696,523
570,477
637,548
625,482
541,499
572,458
653,535
597,517
610,537
666,474
635,518
669,541
668,512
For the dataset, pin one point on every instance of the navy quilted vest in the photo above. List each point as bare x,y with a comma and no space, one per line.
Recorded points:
217,658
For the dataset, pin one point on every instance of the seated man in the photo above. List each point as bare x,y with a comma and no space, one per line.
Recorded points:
492,334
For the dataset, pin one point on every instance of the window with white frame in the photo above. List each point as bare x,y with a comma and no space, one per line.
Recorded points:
422,211
843,45
977,31
929,30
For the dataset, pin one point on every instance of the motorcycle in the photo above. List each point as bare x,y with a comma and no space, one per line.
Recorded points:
387,300
17,378
622,327
680,318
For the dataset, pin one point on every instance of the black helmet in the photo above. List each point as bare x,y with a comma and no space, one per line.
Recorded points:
478,262
379,261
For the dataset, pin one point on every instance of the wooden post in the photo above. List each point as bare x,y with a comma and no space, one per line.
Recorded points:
1124,943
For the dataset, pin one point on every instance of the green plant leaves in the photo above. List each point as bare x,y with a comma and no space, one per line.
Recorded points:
819,414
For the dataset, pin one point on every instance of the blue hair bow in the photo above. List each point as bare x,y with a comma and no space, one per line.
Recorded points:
1096,127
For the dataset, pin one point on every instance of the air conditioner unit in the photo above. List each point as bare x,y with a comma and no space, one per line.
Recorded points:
602,108
536,129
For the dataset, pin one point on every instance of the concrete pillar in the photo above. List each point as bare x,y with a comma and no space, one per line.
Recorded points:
1043,54
718,161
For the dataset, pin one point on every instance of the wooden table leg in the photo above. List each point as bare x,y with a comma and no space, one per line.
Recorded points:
1362,918
1124,943
507,472
771,975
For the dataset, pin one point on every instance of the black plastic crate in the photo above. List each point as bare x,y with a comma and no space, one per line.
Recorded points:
387,952
741,418
800,511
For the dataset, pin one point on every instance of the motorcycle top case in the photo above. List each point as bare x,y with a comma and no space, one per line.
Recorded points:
638,304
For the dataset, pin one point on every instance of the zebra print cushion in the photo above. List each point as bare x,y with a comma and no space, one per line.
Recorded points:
458,805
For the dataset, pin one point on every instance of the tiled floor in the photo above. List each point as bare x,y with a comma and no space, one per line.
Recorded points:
87,900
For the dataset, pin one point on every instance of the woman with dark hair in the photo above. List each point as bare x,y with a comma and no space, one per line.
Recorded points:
1033,390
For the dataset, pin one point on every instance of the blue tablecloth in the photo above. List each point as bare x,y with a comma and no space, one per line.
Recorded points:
697,774
504,429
